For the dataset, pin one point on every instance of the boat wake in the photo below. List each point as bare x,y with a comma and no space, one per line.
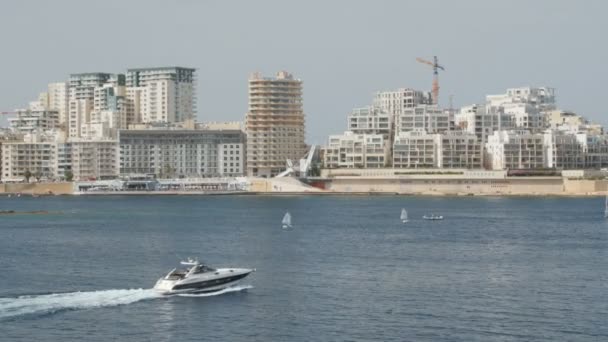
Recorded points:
51,303
30,305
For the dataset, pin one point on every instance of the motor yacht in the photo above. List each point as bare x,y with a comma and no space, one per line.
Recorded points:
197,278
433,217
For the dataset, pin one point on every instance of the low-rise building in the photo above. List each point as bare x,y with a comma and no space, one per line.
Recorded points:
169,153
350,150
33,157
450,150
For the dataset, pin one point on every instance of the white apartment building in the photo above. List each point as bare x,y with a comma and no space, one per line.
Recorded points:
451,150
482,121
162,94
459,150
395,102
594,150
351,150
169,153
430,119
525,105
414,150
32,120
81,88
275,123
517,149
370,120
563,150
542,98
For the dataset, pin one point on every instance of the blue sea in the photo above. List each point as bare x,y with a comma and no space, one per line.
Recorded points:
495,269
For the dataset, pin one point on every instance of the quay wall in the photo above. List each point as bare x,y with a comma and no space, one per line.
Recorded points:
63,188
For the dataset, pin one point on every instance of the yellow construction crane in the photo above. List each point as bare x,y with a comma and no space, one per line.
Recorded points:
436,68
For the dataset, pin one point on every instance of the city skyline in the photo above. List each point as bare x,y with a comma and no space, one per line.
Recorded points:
343,54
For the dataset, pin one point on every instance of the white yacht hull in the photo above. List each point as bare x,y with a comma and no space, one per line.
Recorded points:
206,282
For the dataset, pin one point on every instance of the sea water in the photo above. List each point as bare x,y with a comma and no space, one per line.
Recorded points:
495,269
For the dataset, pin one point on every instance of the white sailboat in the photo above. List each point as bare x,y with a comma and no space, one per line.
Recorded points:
404,216
286,220
606,207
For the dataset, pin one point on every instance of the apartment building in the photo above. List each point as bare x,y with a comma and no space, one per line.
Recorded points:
81,88
32,120
395,102
370,120
430,119
352,150
415,149
274,123
33,154
161,94
459,150
517,149
482,120
169,153
94,159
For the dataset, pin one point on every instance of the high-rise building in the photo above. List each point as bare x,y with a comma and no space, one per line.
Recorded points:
274,123
81,100
58,100
163,94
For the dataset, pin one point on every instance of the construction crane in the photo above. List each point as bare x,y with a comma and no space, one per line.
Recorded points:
436,68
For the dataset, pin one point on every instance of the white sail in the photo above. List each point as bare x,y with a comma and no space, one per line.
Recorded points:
606,207
403,215
286,220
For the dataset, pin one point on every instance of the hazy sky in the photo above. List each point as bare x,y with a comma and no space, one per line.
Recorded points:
344,51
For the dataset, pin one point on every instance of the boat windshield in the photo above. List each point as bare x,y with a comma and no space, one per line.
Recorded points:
203,269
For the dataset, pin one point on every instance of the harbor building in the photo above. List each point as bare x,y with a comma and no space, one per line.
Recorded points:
274,123
351,150
171,153
414,149
161,94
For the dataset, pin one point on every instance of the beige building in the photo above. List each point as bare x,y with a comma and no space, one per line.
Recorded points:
350,150
94,159
35,153
275,124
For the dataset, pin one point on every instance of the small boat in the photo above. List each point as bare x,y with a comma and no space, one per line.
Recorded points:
433,217
404,216
286,221
199,278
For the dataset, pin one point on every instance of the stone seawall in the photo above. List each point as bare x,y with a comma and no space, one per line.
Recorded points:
508,186
65,188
